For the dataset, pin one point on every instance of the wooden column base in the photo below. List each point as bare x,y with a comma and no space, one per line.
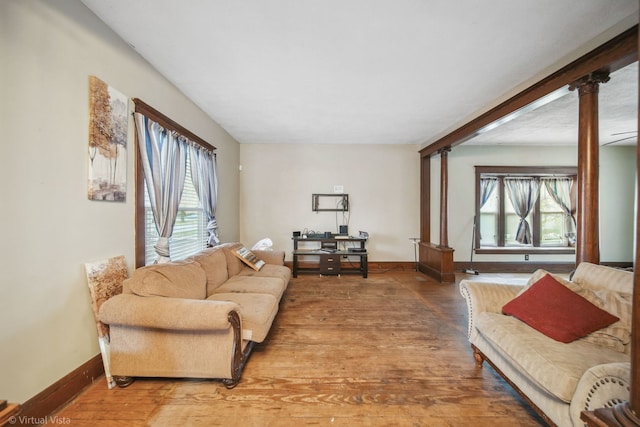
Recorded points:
619,416
437,262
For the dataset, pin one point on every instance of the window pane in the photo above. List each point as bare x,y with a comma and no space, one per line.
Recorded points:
489,221
552,221
512,222
552,233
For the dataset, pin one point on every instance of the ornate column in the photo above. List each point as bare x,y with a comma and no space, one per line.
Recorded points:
588,242
627,413
444,199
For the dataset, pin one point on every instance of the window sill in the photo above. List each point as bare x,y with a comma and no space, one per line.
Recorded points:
537,250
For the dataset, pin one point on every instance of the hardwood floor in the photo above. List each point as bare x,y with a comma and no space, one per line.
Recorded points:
389,350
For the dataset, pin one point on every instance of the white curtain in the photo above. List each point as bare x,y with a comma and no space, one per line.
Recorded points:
164,161
205,180
487,185
560,191
523,193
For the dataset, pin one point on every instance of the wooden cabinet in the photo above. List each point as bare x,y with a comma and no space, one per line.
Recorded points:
330,264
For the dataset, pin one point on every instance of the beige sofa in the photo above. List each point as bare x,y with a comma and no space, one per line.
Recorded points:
195,318
559,380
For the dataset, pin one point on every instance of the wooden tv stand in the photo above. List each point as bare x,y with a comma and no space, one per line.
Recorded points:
330,251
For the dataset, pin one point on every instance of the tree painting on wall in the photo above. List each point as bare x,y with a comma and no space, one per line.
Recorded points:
108,122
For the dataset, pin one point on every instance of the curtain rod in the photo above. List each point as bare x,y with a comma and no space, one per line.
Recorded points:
166,122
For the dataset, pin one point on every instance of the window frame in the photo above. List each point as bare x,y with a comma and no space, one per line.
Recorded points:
139,215
524,171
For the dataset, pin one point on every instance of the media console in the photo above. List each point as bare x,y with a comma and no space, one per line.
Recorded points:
330,252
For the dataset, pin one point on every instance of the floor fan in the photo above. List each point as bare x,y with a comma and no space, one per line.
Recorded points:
470,270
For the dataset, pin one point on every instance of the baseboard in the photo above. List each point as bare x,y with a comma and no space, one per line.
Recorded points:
61,392
526,267
373,266
482,267
382,266
515,267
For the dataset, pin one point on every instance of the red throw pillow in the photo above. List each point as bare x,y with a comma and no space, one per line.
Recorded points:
556,311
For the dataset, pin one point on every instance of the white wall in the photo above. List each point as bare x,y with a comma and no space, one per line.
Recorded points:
48,50
617,171
617,203
383,183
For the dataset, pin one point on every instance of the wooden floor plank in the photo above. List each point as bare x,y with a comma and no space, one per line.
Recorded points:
390,350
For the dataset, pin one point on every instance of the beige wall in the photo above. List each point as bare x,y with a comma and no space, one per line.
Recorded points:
617,170
48,50
383,183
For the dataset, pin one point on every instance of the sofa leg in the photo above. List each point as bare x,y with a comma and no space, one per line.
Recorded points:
238,367
239,357
230,383
123,382
477,356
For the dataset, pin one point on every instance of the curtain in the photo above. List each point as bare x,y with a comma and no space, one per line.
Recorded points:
205,180
523,193
487,185
164,161
560,191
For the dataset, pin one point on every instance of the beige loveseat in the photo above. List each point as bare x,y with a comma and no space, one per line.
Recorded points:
559,380
195,318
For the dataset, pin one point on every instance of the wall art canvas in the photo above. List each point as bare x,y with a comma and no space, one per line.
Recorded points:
108,130
105,279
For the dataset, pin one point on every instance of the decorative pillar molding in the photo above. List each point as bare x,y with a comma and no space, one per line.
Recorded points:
588,241
444,199
425,198
434,260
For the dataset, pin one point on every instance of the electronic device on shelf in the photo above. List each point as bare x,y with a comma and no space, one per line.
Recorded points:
357,250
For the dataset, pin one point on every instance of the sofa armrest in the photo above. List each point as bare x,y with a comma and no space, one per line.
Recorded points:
602,386
485,297
270,257
167,313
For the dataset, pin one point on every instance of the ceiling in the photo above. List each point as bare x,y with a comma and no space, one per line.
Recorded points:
556,122
376,71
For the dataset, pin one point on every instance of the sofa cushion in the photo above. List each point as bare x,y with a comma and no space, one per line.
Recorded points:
586,293
257,312
177,279
214,264
277,271
258,285
270,256
554,366
618,334
234,265
557,312
594,276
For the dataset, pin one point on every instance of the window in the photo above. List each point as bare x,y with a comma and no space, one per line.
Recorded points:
525,209
190,230
195,226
